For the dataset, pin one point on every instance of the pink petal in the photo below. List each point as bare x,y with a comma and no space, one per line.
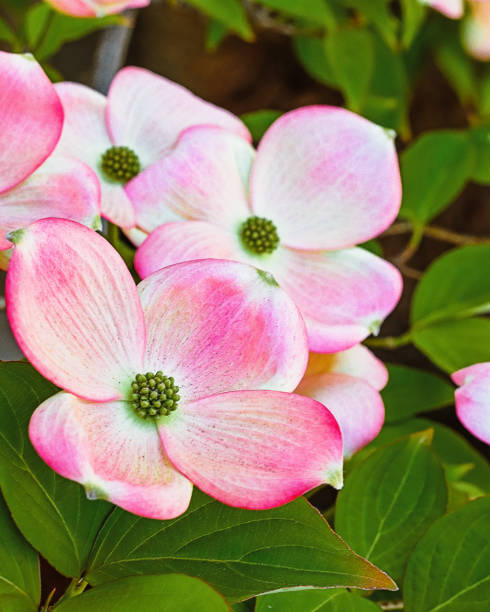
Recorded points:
115,455
148,112
476,31
204,178
473,399
135,235
453,9
357,361
74,309
254,449
355,404
343,295
31,118
95,8
326,177
218,326
61,187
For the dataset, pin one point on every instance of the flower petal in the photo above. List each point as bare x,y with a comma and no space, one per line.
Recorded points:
454,9
95,8
61,187
218,326
74,309
115,204
473,399
326,177
115,455
357,361
355,404
343,295
476,31
204,178
254,449
31,118
147,112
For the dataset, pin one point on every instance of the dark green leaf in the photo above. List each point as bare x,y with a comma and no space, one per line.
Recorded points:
413,13
457,67
390,499
378,13
410,391
52,513
312,54
6,34
480,141
216,32
373,246
231,14
316,11
259,121
484,94
240,552
434,170
314,600
168,593
448,569
20,587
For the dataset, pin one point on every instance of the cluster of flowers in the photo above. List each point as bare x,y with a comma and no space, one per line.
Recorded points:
202,373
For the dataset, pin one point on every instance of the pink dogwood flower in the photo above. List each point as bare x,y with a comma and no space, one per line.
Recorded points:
95,8
322,180
454,9
31,188
185,379
348,383
476,30
135,126
473,399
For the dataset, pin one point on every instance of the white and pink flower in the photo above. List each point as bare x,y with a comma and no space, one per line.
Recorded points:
473,399
95,8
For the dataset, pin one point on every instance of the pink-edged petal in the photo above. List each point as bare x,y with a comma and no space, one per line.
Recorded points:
454,9
95,8
343,295
254,449
74,309
355,404
326,177
115,455
467,375
31,118
357,361
204,178
61,187
148,112
115,204
135,235
473,399
219,326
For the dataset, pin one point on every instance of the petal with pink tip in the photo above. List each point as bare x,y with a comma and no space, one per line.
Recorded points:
254,449
31,118
148,112
135,235
326,177
476,31
357,361
453,9
204,178
61,187
113,453
95,8
355,404
219,326
343,295
473,399
74,309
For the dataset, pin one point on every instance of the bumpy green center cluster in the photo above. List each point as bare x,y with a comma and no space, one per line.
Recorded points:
154,395
259,235
120,164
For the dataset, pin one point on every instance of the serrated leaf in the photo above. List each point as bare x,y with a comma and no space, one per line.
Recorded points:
20,587
410,391
314,600
312,54
258,122
230,13
448,569
241,553
167,593
52,513
389,500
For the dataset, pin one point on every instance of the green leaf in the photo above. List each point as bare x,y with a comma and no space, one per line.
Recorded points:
6,34
229,12
20,587
312,54
480,141
373,246
483,98
455,285
410,391
167,593
216,32
241,553
315,600
52,513
413,13
453,345
448,569
378,13
458,68
350,53
259,121
434,170
390,499
316,11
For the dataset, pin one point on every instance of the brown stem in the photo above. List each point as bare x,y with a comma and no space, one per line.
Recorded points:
445,235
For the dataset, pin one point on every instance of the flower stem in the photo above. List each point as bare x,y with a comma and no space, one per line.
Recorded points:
76,587
389,342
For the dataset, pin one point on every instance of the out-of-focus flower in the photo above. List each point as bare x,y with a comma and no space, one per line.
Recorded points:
347,383
476,30
454,9
31,119
323,180
473,399
95,8
125,133
188,382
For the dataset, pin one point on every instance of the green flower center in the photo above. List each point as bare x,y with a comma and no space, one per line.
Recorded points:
120,164
259,235
154,395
